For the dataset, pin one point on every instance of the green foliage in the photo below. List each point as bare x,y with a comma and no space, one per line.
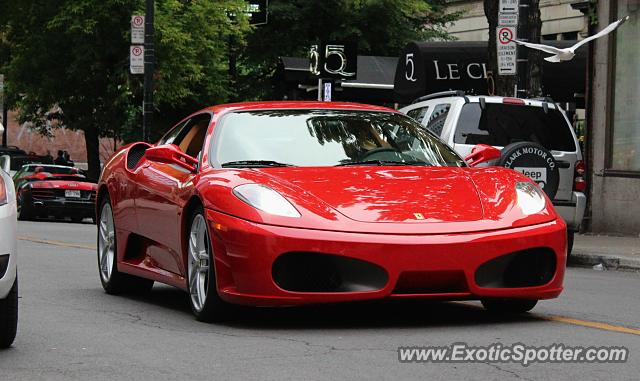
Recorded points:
380,27
69,60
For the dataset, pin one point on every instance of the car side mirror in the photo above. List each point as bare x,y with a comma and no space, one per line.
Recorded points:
482,153
5,163
171,154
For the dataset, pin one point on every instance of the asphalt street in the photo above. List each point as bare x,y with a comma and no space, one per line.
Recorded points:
70,329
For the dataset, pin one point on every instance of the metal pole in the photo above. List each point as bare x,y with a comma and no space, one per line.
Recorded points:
5,123
523,52
149,63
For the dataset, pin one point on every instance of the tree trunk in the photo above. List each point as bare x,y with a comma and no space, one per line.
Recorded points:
92,143
503,85
534,59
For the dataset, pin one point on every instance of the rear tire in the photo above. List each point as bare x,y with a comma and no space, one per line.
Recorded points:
25,212
9,317
206,304
113,281
509,306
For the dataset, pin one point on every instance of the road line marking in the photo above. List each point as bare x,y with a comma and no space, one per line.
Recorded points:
56,243
578,322
591,324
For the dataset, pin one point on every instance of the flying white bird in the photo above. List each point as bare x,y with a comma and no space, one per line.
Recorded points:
567,54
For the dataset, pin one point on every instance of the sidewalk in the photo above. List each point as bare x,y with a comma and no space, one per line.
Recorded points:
614,253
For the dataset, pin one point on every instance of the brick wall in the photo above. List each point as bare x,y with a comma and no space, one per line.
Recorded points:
66,140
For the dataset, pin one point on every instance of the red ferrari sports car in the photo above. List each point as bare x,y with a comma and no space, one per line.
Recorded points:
290,203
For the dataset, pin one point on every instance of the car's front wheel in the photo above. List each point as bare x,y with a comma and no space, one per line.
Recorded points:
509,306
113,281
9,317
201,282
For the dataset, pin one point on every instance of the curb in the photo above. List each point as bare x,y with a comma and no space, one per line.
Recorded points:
610,262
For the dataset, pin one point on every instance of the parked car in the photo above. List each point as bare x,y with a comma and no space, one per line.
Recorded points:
52,190
289,203
8,258
535,137
27,172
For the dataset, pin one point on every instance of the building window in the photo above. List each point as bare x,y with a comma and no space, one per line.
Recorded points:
625,135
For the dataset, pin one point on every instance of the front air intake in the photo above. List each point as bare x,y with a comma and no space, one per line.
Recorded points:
318,272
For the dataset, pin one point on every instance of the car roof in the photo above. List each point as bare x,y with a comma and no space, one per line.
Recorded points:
278,105
491,99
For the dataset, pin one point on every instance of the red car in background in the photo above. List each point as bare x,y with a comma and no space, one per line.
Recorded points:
290,203
54,190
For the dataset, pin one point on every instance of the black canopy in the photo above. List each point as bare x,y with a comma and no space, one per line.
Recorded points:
430,67
374,82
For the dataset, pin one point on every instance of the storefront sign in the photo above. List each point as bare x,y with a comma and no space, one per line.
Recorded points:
334,61
430,67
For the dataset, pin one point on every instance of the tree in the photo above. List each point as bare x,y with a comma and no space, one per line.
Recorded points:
69,62
380,27
504,85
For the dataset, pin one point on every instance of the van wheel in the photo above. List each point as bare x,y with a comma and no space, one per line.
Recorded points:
570,236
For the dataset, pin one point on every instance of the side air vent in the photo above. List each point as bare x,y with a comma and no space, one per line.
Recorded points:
135,154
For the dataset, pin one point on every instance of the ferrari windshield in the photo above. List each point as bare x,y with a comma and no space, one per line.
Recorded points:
325,137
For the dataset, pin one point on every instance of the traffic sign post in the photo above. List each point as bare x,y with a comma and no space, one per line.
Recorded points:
137,30
507,50
136,59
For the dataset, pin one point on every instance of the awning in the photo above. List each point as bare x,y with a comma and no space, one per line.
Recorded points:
375,79
431,67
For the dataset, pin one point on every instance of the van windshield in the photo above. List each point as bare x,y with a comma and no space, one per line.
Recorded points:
502,124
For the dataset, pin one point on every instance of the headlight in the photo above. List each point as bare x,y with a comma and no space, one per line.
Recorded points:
530,198
266,199
3,191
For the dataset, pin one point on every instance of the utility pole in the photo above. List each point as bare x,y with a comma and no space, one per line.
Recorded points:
3,105
149,63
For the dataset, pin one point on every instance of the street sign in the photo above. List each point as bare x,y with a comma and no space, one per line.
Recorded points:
258,12
136,60
327,92
508,6
1,83
507,50
137,29
507,19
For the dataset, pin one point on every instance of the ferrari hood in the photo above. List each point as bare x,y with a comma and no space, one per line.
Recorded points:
389,194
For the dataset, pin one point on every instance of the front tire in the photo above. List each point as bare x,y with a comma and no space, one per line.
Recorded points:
113,281
201,281
509,306
570,236
9,317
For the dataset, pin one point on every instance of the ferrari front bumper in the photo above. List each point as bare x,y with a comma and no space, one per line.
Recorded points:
249,258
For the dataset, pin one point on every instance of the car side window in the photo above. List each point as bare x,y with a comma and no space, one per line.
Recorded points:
438,117
191,137
173,134
418,114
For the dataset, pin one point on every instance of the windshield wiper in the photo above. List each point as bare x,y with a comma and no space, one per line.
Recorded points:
255,163
382,163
